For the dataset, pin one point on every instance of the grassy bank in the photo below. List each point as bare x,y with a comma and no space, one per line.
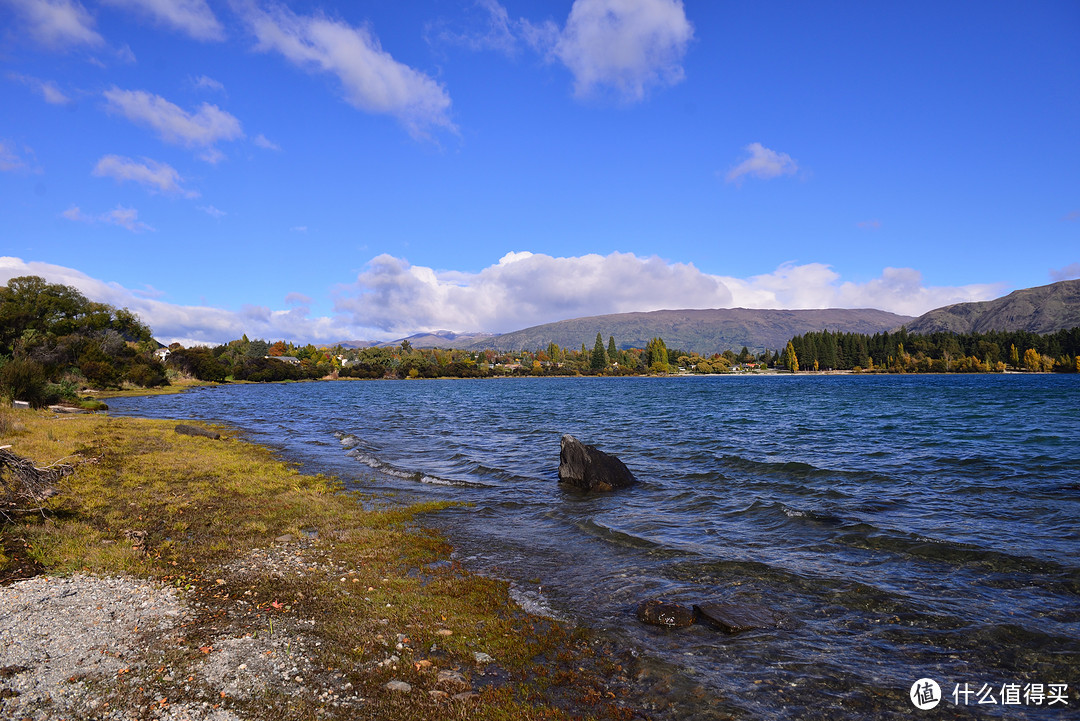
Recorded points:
256,547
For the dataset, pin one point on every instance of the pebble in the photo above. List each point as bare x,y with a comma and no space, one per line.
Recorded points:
398,686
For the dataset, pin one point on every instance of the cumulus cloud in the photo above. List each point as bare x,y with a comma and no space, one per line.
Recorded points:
58,24
525,289
371,79
150,173
1069,272
392,298
628,46
188,324
762,163
200,129
193,17
127,218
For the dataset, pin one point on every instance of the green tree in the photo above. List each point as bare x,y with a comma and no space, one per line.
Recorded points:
1014,357
599,357
612,351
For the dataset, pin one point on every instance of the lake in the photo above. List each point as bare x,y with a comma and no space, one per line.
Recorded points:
906,527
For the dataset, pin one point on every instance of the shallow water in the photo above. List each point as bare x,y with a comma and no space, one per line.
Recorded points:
906,526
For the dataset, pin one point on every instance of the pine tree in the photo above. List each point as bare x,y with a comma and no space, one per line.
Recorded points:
599,356
612,351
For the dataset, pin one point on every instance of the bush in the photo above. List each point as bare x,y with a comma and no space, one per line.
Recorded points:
23,380
147,374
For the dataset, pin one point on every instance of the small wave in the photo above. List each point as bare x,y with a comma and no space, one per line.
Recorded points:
388,470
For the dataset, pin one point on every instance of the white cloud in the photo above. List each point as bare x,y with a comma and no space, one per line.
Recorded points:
193,17
628,46
762,163
1069,272
525,289
212,211
499,31
149,172
58,24
10,160
392,298
263,142
371,79
50,93
188,324
127,218
869,224
299,229
200,129
208,83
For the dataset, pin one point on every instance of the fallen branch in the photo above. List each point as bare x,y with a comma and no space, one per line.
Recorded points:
24,488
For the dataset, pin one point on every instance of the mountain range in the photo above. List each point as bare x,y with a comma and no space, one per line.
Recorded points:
1044,309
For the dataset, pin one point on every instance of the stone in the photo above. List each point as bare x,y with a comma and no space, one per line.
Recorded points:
399,686
664,613
589,469
482,657
187,430
737,617
452,680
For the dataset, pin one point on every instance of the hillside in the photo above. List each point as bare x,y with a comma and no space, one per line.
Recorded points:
1045,309
703,331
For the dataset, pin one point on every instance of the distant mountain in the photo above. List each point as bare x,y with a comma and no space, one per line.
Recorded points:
1045,309
703,331
434,339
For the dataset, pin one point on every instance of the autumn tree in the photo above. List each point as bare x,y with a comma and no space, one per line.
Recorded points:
1032,360
791,361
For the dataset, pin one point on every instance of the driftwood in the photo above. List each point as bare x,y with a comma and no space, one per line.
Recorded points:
24,487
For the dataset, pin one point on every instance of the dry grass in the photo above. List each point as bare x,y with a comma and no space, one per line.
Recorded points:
149,502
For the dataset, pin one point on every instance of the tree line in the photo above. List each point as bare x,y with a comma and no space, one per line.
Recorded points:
903,352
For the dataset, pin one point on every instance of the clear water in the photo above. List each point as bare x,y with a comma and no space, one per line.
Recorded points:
906,526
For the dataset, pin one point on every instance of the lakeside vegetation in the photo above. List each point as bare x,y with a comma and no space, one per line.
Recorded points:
942,352
185,510
56,346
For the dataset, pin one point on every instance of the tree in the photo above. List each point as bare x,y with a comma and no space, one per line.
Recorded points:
599,357
1032,360
790,359
612,351
1014,357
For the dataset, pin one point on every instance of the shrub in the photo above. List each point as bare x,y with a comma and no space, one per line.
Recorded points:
23,380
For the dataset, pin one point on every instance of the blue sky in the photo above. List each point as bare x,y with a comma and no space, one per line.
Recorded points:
322,171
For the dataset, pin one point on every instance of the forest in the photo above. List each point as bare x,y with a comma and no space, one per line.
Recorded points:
903,352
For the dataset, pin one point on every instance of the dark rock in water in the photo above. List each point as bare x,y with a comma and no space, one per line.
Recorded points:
665,613
589,469
196,431
737,617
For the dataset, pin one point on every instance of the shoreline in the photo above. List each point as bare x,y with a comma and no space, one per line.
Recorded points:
274,568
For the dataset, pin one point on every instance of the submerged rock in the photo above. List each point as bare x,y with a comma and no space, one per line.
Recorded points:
585,467
664,613
737,617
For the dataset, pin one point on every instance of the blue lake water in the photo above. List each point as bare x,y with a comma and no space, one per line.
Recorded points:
906,526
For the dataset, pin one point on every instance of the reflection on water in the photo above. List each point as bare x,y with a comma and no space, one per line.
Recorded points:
906,527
